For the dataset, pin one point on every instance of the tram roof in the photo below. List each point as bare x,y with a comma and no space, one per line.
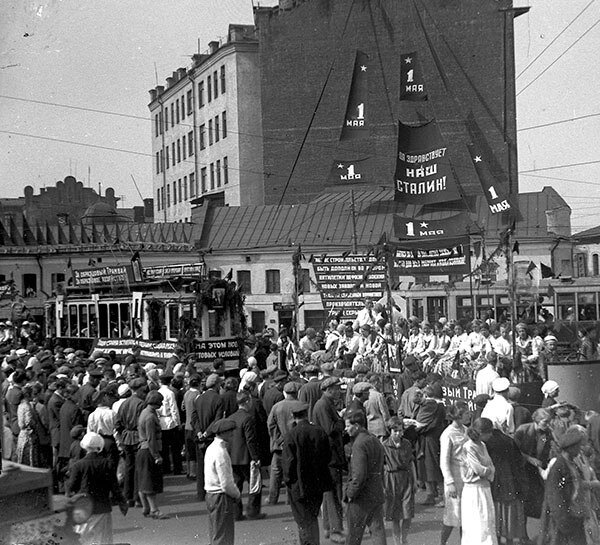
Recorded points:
327,221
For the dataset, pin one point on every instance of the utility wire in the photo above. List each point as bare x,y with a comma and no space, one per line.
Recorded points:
560,179
560,166
558,58
549,124
554,40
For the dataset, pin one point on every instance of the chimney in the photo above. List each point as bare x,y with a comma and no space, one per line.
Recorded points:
160,89
198,59
181,73
213,46
153,94
170,82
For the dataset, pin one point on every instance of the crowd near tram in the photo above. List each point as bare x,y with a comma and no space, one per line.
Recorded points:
349,426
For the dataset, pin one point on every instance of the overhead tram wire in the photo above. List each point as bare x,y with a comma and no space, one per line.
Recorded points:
560,179
551,123
561,166
558,58
554,40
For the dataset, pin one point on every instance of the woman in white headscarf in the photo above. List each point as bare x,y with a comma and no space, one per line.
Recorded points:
550,389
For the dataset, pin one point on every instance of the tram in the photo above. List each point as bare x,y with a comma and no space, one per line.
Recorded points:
113,308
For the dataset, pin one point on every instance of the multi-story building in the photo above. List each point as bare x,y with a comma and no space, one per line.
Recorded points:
206,130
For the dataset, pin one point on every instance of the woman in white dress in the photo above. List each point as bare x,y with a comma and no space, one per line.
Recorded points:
451,444
478,518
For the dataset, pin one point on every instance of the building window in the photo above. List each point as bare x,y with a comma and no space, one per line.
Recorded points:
222,79
201,94
179,190
157,162
178,151
172,115
166,118
203,179
189,102
168,194
160,122
162,160
202,136
273,282
167,156
244,281
162,198
192,185
185,188
217,129
212,175
191,143
158,199
225,170
304,281
56,279
209,88
156,129
224,125
258,320
183,150
595,265
218,168
175,192
210,132
173,153
177,111
216,83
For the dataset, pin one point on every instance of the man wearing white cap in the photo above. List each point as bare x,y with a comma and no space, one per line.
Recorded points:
550,389
498,409
124,391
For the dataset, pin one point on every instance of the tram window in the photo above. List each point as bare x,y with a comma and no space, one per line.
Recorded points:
216,327
113,316
125,317
93,320
566,306
103,324
173,332
464,308
73,328
417,308
83,321
586,305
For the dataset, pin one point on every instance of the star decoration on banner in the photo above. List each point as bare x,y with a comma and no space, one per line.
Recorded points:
477,159
340,165
424,225
363,68
408,60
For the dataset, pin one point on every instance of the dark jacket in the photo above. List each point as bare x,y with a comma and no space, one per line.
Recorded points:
94,476
272,396
126,422
310,393
306,456
208,407
365,479
54,404
229,398
243,444
326,416
257,411
70,415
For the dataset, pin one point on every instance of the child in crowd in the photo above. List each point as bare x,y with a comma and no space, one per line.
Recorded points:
400,478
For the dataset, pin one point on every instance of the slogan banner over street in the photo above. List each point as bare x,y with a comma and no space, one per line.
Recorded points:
423,172
345,281
112,274
357,111
169,271
228,349
412,83
453,258
155,351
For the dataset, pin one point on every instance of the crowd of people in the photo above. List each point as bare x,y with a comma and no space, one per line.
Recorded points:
352,423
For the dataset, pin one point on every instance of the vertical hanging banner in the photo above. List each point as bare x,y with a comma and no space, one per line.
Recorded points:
495,191
423,172
348,172
357,112
412,83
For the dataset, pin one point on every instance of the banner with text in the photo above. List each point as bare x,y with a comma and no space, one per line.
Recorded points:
432,231
349,172
412,83
496,192
110,275
169,271
357,112
423,171
345,281
228,349
452,258
155,351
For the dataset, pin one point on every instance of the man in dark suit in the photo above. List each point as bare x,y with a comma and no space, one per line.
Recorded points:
54,404
208,408
364,491
275,392
325,415
89,394
361,394
306,457
311,391
70,415
244,448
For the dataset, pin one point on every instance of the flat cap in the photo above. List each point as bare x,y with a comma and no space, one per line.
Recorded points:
573,436
137,383
212,380
327,367
311,370
329,382
280,375
292,387
361,387
96,373
221,426
154,398
299,408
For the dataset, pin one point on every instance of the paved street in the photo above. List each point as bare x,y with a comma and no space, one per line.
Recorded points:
189,523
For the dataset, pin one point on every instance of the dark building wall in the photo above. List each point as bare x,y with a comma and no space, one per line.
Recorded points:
470,39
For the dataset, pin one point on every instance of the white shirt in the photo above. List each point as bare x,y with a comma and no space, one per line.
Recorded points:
501,413
365,316
501,346
484,379
218,474
168,414
118,403
102,421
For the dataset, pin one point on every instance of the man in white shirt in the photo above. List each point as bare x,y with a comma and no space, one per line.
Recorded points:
168,416
102,421
365,316
486,376
498,409
221,491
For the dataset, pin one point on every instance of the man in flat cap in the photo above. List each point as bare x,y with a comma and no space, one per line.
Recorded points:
325,415
89,393
498,409
221,490
306,457
360,393
275,392
311,391
279,424
207,408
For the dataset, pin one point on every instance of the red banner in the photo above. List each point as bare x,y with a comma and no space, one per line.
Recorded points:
357,111
430,231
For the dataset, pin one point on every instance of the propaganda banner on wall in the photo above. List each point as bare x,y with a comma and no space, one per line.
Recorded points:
432,231
344,173
357,111
228,349
346,280
452,258
155,351
412,82
110,275
423,170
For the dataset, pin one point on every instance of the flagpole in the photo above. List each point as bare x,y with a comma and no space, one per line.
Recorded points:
389,262
353,210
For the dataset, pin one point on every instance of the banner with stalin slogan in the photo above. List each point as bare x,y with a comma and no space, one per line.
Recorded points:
423,172
345,281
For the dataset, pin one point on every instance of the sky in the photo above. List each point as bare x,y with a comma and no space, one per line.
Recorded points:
101,58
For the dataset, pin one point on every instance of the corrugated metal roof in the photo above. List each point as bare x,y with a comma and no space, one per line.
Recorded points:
327,221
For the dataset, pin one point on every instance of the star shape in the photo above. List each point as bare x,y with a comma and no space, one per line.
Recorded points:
424,225
363,68
408,60
340,165
477,159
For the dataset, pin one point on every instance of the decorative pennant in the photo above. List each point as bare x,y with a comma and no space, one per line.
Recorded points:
496,193
412,83
357,111
427,231
348,172
423,171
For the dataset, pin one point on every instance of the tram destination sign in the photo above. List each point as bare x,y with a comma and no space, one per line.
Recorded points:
346,280
228,349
